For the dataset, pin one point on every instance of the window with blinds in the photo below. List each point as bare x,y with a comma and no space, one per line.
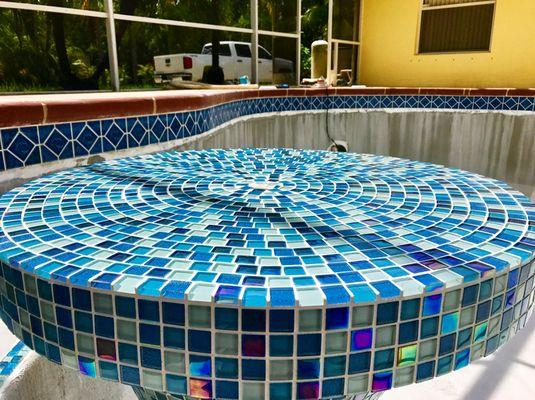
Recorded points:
448,26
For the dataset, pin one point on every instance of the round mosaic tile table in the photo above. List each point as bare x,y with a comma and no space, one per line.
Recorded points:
265,274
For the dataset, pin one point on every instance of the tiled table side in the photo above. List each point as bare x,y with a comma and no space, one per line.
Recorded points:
266,273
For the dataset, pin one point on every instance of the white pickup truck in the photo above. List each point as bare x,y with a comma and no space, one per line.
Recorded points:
234,58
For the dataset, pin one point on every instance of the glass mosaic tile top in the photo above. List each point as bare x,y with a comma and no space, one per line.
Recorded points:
265,273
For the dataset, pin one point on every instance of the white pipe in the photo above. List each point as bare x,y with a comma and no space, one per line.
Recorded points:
112,46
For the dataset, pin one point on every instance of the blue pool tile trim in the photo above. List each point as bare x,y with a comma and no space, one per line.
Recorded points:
12,360
32,145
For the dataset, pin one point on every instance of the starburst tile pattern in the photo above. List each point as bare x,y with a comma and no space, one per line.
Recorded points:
265,273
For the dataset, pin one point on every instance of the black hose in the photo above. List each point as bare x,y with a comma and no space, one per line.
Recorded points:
327,108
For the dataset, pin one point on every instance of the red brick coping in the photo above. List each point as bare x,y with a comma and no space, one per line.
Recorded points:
34,109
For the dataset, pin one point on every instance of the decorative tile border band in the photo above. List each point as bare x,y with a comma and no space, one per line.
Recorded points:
23,146
35,110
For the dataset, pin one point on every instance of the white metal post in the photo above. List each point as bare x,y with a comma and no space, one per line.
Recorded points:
329,41
298,56
254,41
112,45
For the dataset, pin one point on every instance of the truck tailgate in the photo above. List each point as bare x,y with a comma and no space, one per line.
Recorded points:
168,64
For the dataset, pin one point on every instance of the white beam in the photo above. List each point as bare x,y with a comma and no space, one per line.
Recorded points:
52,9
330,43
171,22
254,41
298,55
112,46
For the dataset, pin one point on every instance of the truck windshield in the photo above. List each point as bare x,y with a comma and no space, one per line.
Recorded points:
224,50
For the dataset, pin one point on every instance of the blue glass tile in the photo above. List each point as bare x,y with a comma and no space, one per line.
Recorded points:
450,323
64,317
447,344
485,290
104,326
173,338
199,341
408,332
53,353
281,321
128,353
83,321
149,334
483,311
87,366
362,293
176,384
125,307
66,338
253,320
308,368
309,344
62,295
429,327
470,294
130,375
334,366
464,338
81,299
444,365
227,390
386,289
359,362
432,305
387,313
226,318
280,391
337,318
108,371
148,310
462,358
383,359
410,309
254,370
425,371
281,345
173,313
226,368
200,366
151,358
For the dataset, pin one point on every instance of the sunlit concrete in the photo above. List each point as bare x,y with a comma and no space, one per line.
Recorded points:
507,374
7,340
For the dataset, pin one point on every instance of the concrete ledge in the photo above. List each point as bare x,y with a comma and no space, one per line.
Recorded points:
507,374
36,378
23,110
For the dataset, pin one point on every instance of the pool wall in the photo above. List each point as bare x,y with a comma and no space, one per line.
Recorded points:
488,131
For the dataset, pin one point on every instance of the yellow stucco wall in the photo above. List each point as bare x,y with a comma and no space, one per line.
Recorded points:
388,54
